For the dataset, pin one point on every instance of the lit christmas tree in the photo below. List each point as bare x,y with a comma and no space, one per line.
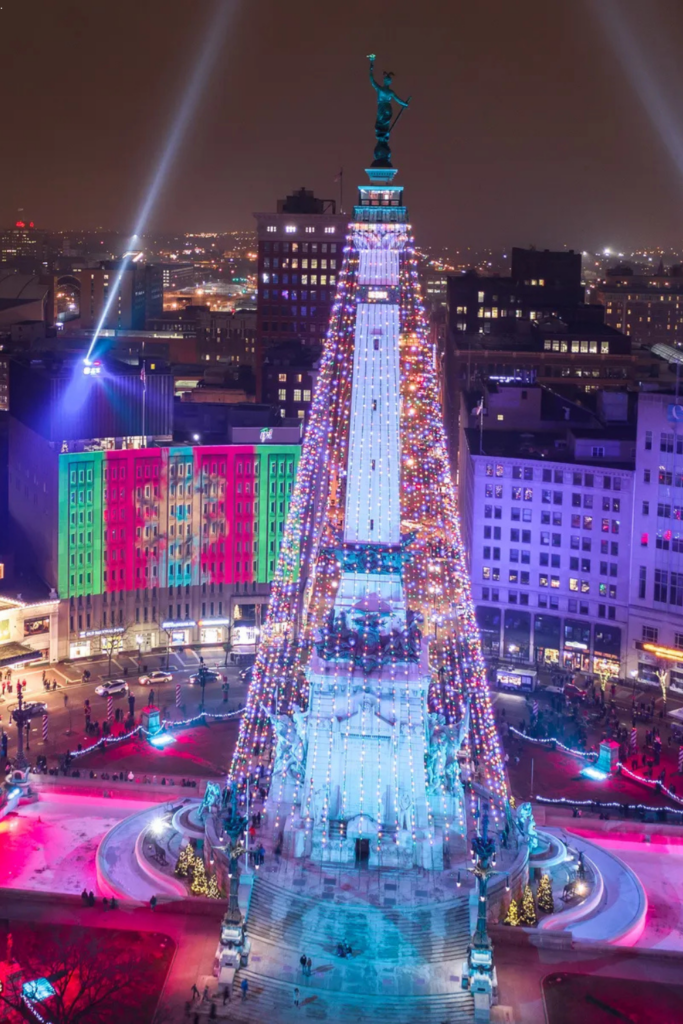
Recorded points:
200,883
527,916
512,916
544,895
371,600
185,862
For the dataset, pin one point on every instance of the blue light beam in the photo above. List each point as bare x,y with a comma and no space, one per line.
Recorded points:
654,97
209,52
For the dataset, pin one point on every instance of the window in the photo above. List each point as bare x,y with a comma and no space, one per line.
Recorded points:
661,585
513,576
514,535
675,590
573,583
666,442
588,522
651,633
543,579
597,451
528,473
646,476
555,582
648,440
642,582
646,508
282,395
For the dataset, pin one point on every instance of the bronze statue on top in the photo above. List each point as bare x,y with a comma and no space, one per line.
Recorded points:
383,124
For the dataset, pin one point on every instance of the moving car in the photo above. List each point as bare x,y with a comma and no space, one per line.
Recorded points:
246,674
211,677
572,692
35,707
153,678
112,687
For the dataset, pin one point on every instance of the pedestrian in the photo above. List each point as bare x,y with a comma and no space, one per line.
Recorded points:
302,961
91,899
205,994
296,996
66,700
152,905
212,1012
245,988
84,896
151,696
195,992
226,995
308,967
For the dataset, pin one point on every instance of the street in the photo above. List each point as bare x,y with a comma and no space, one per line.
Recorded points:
66,717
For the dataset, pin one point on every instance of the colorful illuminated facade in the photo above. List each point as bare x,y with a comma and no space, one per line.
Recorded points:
370,668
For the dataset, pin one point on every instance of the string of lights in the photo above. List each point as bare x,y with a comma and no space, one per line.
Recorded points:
552,741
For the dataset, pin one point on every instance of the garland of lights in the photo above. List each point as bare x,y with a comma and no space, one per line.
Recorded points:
554,742
603,803
139,730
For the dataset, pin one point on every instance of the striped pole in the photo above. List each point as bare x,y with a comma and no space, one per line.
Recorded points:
680,760
534,709
177,695
110,707
633,741
44,728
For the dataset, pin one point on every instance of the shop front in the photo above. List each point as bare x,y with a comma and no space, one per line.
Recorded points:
547,639
576,653
517,635
489,620
607,650
214,631
32,626
179,634
80,649
91,642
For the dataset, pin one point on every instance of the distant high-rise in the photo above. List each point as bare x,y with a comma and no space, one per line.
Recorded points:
648,307
22,246
300,249
140,295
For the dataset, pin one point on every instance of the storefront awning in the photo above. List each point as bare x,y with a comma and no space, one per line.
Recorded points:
15,654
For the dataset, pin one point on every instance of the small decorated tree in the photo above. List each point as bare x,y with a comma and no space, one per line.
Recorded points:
200,883
544,895
528,914
213,891
512,916
185,862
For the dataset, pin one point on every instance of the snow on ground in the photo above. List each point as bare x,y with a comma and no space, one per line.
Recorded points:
50,846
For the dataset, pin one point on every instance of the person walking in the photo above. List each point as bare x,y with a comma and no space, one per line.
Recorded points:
226,995
302,961
195,992
205,994
309,964
296,996
245,988
152,902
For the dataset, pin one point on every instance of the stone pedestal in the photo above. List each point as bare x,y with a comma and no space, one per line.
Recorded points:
609,756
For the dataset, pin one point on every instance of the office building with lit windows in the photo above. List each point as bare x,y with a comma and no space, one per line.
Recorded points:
300,251
656,623
547,511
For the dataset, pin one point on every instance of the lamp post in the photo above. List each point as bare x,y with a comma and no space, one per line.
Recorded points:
22,718
478,971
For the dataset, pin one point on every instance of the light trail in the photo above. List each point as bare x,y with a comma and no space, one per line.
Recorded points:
213,41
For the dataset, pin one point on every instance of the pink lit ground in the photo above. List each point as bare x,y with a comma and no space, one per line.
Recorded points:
657,860
50,846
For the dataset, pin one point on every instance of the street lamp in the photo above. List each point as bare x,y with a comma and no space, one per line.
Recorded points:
478,971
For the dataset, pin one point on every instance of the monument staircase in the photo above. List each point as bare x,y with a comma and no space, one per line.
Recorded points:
405,964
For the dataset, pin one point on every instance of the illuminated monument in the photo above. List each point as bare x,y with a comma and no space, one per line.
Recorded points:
370,672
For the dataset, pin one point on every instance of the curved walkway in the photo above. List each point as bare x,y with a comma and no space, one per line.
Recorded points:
617,917
122,870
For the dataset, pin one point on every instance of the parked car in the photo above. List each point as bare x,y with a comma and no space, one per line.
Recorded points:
211,677
35,707
153,678
111,688
246,674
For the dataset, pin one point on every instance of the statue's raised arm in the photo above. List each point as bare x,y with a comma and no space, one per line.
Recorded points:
383,125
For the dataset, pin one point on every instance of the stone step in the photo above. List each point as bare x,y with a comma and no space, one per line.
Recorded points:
274,1001
435,933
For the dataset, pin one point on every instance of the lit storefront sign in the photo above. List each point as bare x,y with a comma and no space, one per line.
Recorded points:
178,624
112,631
32,627
667,653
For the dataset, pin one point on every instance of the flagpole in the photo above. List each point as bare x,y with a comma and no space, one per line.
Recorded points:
341,190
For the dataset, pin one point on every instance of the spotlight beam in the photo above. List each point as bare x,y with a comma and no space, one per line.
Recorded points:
641,73
211,46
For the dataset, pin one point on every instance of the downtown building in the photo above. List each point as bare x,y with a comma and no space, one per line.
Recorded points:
300,251
573,526
146,541
546,496
647,307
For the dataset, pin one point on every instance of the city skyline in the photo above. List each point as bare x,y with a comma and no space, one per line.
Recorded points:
514,82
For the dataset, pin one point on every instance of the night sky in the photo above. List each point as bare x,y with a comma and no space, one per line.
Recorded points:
525,126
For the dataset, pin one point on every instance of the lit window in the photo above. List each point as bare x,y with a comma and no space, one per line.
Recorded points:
290,228
282,395
297,394
271,227
329,231
282,377
310,231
